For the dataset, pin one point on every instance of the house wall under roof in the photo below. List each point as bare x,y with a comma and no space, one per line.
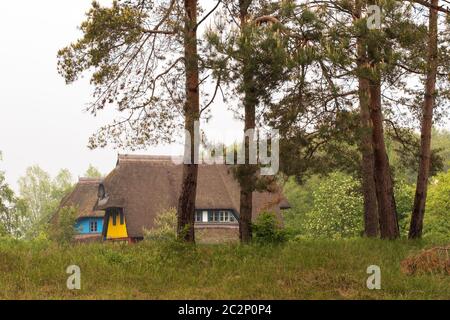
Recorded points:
116,228
87,225
207,233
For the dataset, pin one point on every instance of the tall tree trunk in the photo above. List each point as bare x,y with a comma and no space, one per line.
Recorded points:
415,230
387,212
368,162
371,219
248,172
186,202
383,181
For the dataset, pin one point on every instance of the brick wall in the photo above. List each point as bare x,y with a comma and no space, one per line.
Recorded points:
216,234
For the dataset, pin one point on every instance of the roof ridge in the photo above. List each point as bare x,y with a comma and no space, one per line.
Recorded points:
146,158
89,180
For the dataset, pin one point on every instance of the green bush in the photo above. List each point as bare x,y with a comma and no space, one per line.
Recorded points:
338,208
63,231
165,227
404,199
267,229
300,197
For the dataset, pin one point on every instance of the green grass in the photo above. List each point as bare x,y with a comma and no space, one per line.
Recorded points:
299,270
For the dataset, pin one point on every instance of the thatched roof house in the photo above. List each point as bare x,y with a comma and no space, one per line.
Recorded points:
83,197
141,187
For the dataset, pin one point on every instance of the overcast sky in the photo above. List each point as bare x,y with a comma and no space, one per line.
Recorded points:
42,120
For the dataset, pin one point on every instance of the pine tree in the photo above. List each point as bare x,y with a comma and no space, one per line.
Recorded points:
186,202
247,59
137,50
367,155
418,213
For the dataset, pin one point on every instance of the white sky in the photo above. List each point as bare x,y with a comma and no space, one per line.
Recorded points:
41,118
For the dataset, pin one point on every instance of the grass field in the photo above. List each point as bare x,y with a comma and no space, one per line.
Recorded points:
297,270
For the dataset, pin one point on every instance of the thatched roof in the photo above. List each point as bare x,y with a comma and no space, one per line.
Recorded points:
84,197
145,186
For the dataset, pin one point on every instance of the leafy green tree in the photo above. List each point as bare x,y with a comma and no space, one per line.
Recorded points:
92,172
62,184
403,154
337,210
437,218
9,219
440,139
35,190
300,197
39,196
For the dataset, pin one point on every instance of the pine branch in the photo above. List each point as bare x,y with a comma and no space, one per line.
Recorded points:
429,5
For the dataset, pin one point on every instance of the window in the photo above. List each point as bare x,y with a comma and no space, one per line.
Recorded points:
122,220
221,216
114,217
198,216
213,216
93,226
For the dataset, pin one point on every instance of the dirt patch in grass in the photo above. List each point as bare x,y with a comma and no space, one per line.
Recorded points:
432,261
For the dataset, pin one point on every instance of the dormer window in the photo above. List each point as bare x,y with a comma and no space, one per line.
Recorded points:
101,191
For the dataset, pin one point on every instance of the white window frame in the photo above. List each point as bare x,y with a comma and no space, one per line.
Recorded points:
219,216
197,215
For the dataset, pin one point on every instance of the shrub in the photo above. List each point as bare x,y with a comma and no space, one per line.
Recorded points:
165,228
431,261
63,231
267,229
338,208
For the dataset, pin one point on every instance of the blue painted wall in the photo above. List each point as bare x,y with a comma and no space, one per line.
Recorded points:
82,225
